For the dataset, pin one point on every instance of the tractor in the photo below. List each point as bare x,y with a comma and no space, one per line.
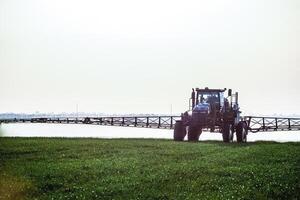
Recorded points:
209,109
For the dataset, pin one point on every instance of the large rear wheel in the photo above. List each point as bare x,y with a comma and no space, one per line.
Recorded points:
194,133
227,132
241,132
179,131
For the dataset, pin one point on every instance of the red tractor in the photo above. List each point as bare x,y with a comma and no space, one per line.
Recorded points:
210,109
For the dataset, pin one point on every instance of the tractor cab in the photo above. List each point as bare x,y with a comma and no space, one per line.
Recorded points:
207,99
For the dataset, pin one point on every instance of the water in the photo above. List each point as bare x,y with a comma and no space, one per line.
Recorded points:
96,131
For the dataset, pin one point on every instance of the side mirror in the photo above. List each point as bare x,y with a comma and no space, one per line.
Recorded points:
229,92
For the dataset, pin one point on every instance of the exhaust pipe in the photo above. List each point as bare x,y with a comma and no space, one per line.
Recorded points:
193,98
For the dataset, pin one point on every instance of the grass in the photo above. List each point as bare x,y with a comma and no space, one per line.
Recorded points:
56,168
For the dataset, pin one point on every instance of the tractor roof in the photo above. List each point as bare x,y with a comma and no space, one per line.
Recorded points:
210,90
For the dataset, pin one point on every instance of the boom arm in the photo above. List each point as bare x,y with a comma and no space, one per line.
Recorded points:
256,124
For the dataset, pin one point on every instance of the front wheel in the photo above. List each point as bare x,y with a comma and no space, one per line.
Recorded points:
241,132
179,131
227,132
194,133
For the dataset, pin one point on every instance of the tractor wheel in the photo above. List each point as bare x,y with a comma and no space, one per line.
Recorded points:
227,132
179,131
194,133
241,132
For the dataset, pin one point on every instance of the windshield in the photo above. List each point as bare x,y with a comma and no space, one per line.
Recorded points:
208,97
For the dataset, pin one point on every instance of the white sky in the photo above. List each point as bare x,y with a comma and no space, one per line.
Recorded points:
138,56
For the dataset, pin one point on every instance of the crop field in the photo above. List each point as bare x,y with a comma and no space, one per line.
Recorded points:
57,168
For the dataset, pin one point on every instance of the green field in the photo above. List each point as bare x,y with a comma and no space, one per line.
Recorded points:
49,168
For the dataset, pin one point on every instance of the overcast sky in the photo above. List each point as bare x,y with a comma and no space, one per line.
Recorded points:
138,56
